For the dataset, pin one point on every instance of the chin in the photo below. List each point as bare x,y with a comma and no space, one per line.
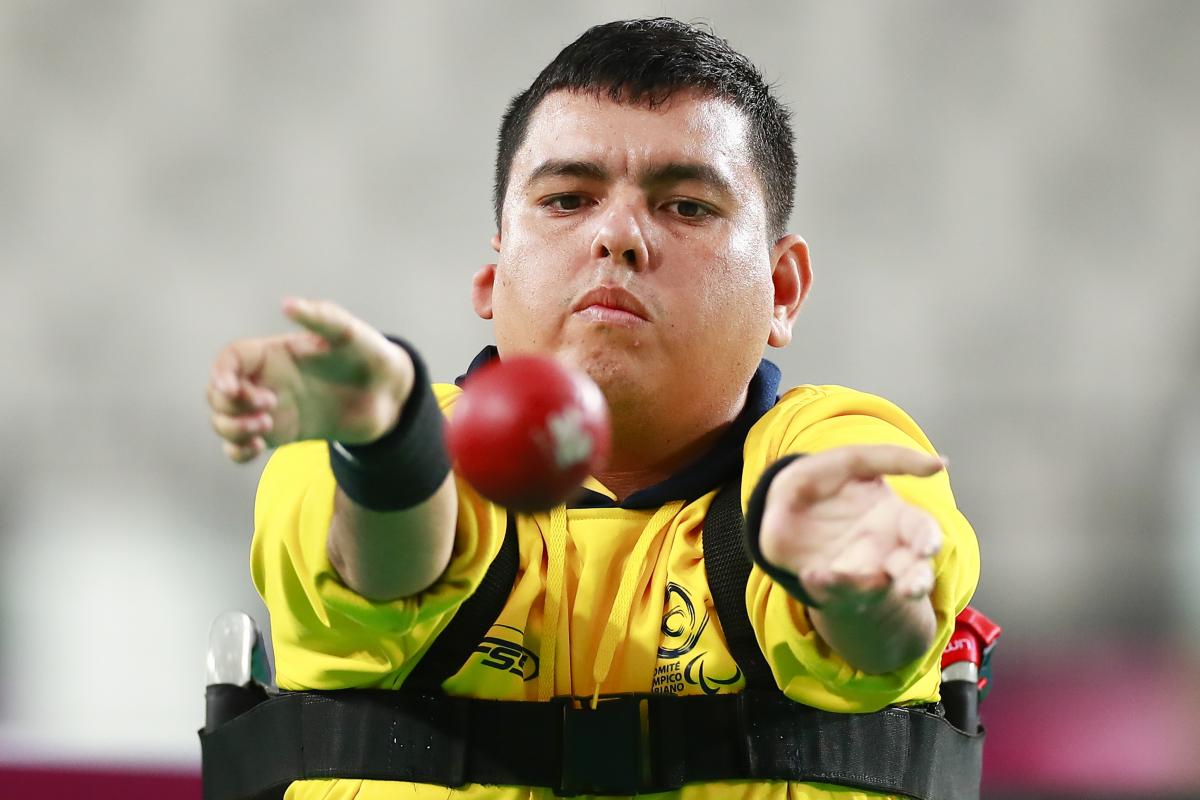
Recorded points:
620,377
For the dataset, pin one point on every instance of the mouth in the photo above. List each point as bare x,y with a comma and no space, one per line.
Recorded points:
611,305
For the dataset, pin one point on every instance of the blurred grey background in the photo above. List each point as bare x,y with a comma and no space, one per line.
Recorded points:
1001,199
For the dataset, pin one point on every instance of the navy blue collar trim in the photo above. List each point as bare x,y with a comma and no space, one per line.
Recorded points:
712,470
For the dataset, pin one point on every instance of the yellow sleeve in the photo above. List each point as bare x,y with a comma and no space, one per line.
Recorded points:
325,635
809,420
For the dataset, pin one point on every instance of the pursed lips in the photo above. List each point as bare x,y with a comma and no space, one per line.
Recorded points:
611,305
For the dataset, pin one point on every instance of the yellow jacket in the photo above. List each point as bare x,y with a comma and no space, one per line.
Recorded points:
625,589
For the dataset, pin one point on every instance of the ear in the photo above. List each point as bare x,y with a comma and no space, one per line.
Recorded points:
791,274
482,283
481,290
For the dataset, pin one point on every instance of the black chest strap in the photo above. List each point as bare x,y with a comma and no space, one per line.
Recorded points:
629,744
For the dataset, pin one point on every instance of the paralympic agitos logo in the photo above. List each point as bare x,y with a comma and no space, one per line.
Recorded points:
682,625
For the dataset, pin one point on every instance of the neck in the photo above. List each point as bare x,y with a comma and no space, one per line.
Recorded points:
646,450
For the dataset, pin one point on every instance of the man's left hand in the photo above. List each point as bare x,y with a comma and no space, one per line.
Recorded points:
831,520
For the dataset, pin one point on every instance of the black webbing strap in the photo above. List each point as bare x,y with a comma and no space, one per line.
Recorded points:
671,741
727,567
454,645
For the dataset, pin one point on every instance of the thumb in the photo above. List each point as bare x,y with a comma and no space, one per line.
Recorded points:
323,318
822,475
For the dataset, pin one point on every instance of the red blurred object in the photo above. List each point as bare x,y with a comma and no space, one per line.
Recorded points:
966,668
973,634
527,431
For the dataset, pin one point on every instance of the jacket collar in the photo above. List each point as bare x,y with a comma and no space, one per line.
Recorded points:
721,464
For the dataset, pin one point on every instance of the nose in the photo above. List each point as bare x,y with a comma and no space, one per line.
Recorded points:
621,237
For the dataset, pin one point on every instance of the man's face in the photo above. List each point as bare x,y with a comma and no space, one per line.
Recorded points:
634,245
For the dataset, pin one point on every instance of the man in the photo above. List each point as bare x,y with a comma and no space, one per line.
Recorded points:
643,183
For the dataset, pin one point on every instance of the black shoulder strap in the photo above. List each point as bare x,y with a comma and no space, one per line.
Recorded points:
453,646
727,565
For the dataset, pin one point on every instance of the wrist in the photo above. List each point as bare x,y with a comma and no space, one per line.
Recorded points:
402,378
406,465
754,516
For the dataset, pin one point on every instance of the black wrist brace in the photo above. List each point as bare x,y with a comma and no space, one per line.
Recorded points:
754,515
404,467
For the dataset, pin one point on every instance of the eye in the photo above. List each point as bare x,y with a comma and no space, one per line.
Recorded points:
564,202
690,209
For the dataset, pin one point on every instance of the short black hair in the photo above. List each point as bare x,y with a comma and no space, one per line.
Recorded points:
646,61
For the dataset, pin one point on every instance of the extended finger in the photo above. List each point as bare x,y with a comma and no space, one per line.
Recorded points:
822,475
221,402
244,397
237,362
241,430
326,319
225,371
920,531
245,452
917,581
230,387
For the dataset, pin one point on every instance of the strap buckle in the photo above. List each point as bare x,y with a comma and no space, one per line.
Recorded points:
604,749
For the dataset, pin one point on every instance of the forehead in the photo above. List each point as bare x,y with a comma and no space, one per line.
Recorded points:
625,137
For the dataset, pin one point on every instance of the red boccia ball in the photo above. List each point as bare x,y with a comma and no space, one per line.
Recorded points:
527,431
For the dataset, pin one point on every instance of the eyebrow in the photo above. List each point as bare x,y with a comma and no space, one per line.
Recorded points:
667,174
565,168
679,172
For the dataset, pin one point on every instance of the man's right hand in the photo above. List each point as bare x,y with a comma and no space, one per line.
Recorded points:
337,379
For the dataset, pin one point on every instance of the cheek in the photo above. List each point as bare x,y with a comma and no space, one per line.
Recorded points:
514,270
535,259
737,291
532,293
527,278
